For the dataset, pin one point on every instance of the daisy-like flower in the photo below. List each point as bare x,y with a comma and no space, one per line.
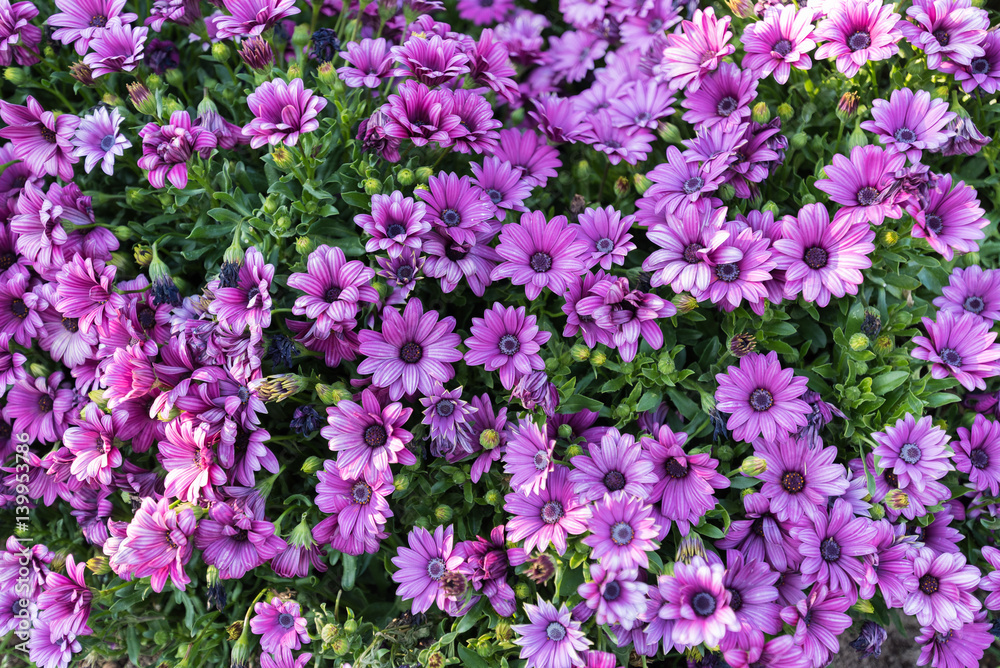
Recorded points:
952,30
973,290
477,129
358,507
957,648
991,581
743,266
686,248
622,532
97,140
430,59
549,516
422,566
422,115
368,437
540,254
502,183
695,50
117,48
977,453
528,459
242,453
698,602
249,18
615,464
18,38
910,122
508,340
573,54
79,21
187,454
368,63
158,544
247,303
959,345
38,407
92,442
558,117
37,224
181,12
552,638
280,625
915,450
679,185
11,364
950,219
457,208
862,183
615,596
412,352
750,584
819,619
887,567
830,545
631,145
606,233
484,12
489,64
799,480
451,262
780,42
644,105
446,414
723,99
761,398
167,148
236,538
941,589
856,32
282,111
65,601
86,291
822,259
336,287
41,139
982,72
527,151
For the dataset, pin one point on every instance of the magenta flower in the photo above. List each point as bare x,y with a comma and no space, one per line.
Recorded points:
679,185
573,54
822,259
606,233
686,248
39,138
622,532
502,183
950,30
412,351
552,638
451,262
358,507
167,148
280,625
780,42
977,453
616,463
799,480
888,566
368,437
982,72
940,591
395,224
242,453
646,103
86,291
830,545
956,648
477,130
549,516
247,302
528,458
38,407
743,266
158,544
540,254
181,12
188,457
430,60
819,619
19,39
527,151
235,537
11,364
761,397
457,209
631,145
950,219
423,564
421,115
37,222
447,416
282,112
93,444
695,50
972,290
65,601
753,597
368,63
698,602
508,340
856,32
910,122
863,184
959,345
48,649
723,99
79,21
335,289
97,140
915,450
117,48
252,17
615,596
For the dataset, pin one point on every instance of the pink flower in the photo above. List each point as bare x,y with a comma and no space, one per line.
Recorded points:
282,112
42,140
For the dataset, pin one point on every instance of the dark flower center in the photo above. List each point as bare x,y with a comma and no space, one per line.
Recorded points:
243,393
45,403
950,357
241,536
643,118
404,275
605,245
782,47
816,257
229,275
445,407
675,469
934,223
622,533
910,453
411,352
5,431
611,143
736,600
555,631
891,479
614,480
703,604
451,217
979,66
867,196
361,492
860,39
509,345
905,135
495,195
793,482
655,26
979,458
49,135
286,621
7,260
146,317
333,294
395,229
612,590
375,436
455,253
541,460
691,253
929,584
829,549
758,527
728,272
974,304
107,143
98,21
19,309
693,185
727,106
552,512
435,568
942,36
761,400
541,262
945,638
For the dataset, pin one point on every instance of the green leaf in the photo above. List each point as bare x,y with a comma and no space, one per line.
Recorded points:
578,402
888,382
470,659
350,572
357,200
649,401
711,531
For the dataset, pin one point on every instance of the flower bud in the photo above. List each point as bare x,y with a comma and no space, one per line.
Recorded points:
685,303
493,497
340,646
665,363
82,73
724,453
761,113
405,177
424,174
770,206
857,138
743,9
622,186
799,140
785,112
141,99
884,344
175,77
221,52
234,630
143,255
565,431
300,36
668,132
503,631
351,626
753,467
574,450
304,245
691,546
872,323
808,198
522,590
897,499
489,439
459,477
154,82
435,660
372,186
579,352
98,565
641,183
256,54
443,514
17,75
597,358
294,72
329,633
540,569
877,511
582,170
847,108
401,482
859,342
726,192
328,394
743,344
311,465
171,104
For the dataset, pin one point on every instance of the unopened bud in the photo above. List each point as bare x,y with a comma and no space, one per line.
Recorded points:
406,177
641,183
799,140
669,133
580,352
622,186
143,255
311,465
326,74
141,99
221,51
493,497
372,186
883,344
889,237
847,108
724,453
459,477
761,113
859,342
897,499
597,358
753,467
489,439
574,450
443,514
857,138
424,174
170,105
565,431
98,565
743,344
82,73
282,156
16,75
785,112
294,72
401,482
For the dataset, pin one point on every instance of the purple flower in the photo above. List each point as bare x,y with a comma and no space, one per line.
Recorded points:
335,287
65,601
957,648
484,12
48,649
695,50
451,262
761,397
646,103
282,112
528,458
92,442
830,545
952,30
862,183
977,453
856,32
963,137
972,290
250,18
181,12
508,340
242,452
606,233
97,140
632,145
502,183
421,115
888,566
374,138
819,619
430,60
395,224
549,516
11,364
686,248
750,584
527,151
487,433
280,625
248,302
18,38
723,99
780,42
982,72
446,414
167,148
456,208
558,118
573,54
477,131
822,259
950,219
158,544
959,345
910,122
679,185
616,463
358,506
940,591
615,596
41,139
487,564
368,437
551,638
761,536
915,450
38,407
117,48
743,266
25,567
188,457
622,532
798,480
423,564
489,63
368,63
235,537
698,602
80,21
539,254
